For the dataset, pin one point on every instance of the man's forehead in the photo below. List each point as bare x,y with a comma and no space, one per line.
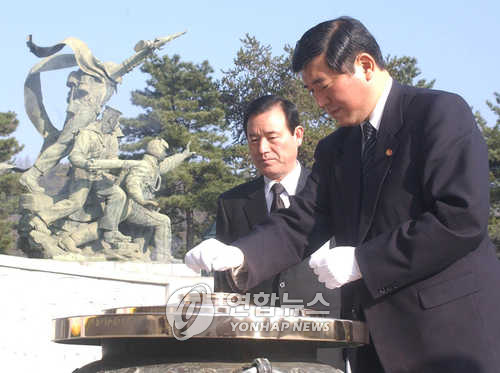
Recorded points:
268,128
262,130
317,71
315,81
271,115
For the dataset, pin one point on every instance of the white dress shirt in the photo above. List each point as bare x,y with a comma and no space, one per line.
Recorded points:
376,116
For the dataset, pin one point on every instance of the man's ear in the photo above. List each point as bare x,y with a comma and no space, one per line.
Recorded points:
299,134
364,66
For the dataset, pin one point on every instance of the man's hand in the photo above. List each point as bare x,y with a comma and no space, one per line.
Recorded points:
335,267
213,255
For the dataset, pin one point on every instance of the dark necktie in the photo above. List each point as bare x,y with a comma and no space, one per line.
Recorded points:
277,189
369,140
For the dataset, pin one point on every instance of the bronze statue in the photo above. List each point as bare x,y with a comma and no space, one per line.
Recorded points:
102,191
141,183
91,86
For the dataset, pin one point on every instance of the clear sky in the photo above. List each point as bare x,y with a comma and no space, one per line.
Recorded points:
455,42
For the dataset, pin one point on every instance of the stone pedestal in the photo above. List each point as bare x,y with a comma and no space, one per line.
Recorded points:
35,291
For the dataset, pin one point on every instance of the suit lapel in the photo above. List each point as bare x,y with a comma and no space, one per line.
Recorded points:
385,151
304,173
255,206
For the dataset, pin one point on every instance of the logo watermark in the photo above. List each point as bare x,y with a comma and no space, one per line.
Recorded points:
280,326
190,312
193,311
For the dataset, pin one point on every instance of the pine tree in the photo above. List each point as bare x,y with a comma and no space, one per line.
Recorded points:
8,146
405,71
9,186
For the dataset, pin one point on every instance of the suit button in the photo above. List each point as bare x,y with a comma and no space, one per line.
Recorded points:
282,284
354,313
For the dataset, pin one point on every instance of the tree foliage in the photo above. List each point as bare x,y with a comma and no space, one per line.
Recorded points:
9,186
405,71
491,134
181,103
8,146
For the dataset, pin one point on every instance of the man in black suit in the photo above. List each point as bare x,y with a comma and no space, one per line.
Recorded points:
274,136
403,186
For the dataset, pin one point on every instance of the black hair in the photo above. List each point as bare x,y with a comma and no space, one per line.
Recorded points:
341,40
266,103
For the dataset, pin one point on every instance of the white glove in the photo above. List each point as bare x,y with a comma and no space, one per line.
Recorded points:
213,255
335,267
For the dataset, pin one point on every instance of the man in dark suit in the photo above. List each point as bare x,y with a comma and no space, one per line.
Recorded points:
403,186
274,136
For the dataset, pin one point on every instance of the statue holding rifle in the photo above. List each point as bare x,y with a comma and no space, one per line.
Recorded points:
91,86
84,219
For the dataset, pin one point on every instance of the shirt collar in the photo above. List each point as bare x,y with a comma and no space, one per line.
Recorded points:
289,182
376,115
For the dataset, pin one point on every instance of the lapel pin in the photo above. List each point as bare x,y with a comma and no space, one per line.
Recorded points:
388,152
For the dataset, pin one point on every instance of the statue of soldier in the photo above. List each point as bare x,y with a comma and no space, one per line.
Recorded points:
91,86
141,183
99,140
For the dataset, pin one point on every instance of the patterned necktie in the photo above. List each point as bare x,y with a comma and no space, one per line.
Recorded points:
277,189
369,140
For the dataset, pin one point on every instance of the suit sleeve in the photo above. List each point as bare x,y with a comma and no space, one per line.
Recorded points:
223,281
286,237
453,173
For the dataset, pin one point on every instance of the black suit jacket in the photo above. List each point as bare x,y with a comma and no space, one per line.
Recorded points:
429,291
242,208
